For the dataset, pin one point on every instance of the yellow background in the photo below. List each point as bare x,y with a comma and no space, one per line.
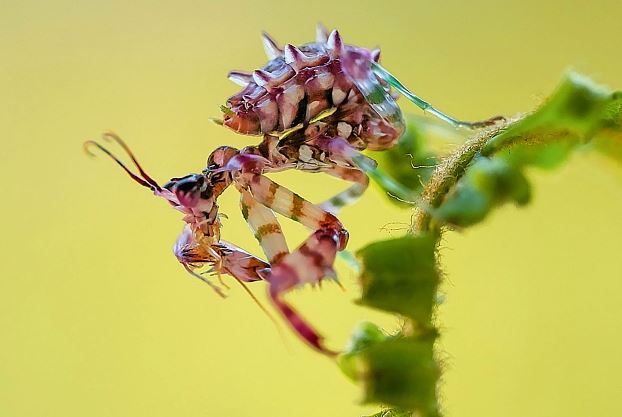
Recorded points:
98,319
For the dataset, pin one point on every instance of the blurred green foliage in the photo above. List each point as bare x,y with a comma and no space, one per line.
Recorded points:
402,276
409,163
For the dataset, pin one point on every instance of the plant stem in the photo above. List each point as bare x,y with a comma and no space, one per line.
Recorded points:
449,171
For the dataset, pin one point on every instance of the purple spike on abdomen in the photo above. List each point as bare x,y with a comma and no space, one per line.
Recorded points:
297,85
283,94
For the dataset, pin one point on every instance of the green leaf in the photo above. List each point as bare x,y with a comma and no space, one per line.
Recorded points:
396,371
365,335
487,183
549,154
576,109
400,275
609,140
393,412
401,373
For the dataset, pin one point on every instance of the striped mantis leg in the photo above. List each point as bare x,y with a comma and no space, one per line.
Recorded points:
309,263
349,195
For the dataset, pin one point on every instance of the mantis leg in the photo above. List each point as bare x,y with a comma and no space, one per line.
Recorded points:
222,257
293,206
310,262
264,225
339,149
240,264
363,70
352,193
385,75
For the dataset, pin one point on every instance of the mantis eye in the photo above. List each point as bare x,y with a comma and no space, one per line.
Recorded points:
187,189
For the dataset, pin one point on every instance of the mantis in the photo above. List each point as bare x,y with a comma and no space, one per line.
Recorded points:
316,108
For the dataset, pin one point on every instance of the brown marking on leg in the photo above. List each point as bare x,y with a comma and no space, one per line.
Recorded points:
244,207
271,193
317,258
297,206
263,222
266,229
277,257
